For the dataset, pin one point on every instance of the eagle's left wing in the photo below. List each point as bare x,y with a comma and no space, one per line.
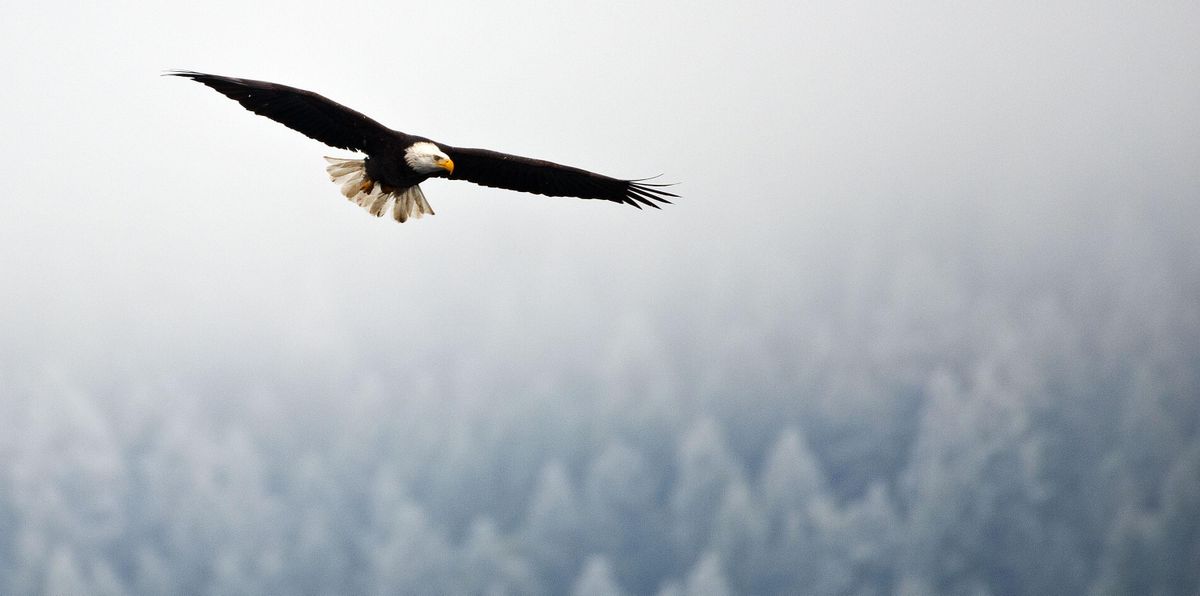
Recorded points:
512,172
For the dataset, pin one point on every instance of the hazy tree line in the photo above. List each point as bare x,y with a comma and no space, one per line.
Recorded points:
955,422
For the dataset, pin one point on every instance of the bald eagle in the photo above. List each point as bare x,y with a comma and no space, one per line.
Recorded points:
396,163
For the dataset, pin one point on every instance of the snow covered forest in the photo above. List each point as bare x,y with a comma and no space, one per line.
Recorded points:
959,416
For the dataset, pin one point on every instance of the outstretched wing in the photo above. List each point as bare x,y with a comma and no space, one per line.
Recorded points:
303,111
501,170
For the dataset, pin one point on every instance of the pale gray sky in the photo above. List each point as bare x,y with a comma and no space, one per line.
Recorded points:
150,219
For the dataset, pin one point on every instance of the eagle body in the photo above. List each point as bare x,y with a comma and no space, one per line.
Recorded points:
383,166
388,178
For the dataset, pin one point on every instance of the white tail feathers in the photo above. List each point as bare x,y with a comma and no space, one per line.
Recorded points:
351,174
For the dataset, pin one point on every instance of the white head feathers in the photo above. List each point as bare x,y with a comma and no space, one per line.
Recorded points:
425,158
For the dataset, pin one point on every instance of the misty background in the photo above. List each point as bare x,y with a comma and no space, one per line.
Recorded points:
926,321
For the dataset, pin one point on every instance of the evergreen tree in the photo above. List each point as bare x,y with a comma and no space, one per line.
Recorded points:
740,536
794,493
553,532
706,469
597,579
707,578
625,520
63,575
489,564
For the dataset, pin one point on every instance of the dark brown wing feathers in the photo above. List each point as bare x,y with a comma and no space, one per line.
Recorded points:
512,172
303,111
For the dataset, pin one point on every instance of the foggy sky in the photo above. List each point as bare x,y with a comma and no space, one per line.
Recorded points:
154,225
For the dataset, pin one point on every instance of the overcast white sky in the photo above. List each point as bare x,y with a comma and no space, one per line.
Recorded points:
149,223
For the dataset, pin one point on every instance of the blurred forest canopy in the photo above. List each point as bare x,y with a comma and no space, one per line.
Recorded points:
967,421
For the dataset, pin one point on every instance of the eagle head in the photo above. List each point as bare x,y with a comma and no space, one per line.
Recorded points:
425,158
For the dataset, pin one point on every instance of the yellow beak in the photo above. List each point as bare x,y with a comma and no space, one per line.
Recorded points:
446,164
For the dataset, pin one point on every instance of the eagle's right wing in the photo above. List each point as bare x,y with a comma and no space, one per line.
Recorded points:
303,111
